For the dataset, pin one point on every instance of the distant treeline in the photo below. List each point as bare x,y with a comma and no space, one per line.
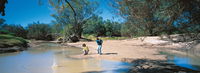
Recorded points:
36,31
40,31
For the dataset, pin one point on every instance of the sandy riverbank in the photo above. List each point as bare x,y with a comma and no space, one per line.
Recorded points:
128,49
143,54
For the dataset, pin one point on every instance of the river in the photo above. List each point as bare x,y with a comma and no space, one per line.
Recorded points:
187,60
53,58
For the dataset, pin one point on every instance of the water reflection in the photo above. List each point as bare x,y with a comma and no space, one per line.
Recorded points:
72,65
25,62
51,58
185,61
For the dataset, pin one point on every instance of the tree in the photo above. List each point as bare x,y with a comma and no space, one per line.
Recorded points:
2,6
2,21
56,27
75,12
99,27
95,26
154,17
188,14
39,31
141,14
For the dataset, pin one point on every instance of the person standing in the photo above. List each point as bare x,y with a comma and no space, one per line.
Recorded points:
99,43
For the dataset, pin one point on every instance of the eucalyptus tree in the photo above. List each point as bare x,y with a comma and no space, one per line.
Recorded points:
187,14
74,12
95,26
159,16
99,27
140,14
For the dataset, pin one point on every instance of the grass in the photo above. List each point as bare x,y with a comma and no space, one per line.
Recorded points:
92,37
10,41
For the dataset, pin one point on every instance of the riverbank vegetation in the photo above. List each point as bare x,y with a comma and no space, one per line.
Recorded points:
75,20
12,35
142,18
11,41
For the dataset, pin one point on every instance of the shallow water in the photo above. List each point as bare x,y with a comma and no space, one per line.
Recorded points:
188,61
51,58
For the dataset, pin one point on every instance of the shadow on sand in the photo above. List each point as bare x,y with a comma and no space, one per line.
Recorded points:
109,53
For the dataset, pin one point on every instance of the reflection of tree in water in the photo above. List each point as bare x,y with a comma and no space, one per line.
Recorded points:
10,54
44,47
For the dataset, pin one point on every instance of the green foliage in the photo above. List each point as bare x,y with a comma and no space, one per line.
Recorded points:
113,38
93,37
140,16
67,31
39,31
17,30
112,28
127,30
99,27
56,27
10,41
75,12
2,21
156,17
6,32
95,26
109,27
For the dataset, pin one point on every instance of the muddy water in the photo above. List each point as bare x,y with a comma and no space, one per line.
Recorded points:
52,58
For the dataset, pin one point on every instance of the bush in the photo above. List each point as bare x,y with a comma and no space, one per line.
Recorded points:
39,31
6,32
16,30
10,41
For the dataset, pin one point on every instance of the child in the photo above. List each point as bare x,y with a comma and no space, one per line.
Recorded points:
99,43
85,49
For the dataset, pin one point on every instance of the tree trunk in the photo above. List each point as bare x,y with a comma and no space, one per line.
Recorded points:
77,27
79,34
79,30
151,32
